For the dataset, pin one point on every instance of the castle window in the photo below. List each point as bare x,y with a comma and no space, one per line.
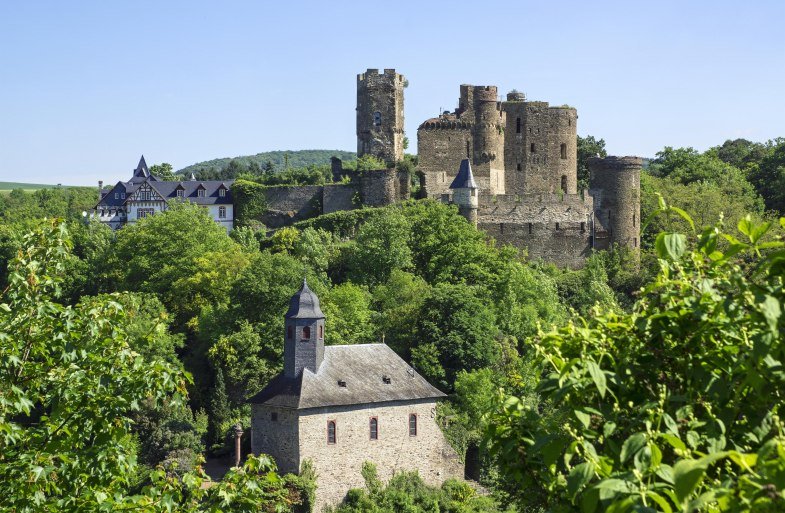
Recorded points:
583,227
321,332
222,192
530,228
306,333
374,428
563,151
180,193
633,219
467,150
412,424
274,416
518,167
331,434
222,212
517,125
557,226
289,332
377,118
564,183
531,148
634,243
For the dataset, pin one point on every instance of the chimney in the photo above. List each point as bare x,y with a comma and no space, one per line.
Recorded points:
100,190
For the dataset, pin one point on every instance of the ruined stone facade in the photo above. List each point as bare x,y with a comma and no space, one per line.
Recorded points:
380,114
524,158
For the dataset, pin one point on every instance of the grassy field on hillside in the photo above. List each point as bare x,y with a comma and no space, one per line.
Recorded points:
6,187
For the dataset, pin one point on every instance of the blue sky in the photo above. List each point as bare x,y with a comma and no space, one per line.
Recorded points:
88,86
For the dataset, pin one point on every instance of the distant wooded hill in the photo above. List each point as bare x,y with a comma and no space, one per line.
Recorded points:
8,186
280,160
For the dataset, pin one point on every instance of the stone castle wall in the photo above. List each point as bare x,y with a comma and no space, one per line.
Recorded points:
338,465
552,227
441,145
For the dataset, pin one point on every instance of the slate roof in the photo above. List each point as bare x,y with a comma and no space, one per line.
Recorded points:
362,367
465,178
304,304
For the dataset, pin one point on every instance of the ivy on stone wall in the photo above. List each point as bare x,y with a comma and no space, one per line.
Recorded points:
249,201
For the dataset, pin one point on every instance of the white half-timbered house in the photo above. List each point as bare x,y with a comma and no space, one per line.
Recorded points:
144,195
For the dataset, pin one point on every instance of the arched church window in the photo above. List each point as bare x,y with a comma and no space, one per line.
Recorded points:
374,428
307,333
331,434
377,118
412,424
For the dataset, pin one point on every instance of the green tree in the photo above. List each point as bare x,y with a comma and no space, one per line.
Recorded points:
768,177
455,331
69,382
347,308
164,172
673,407
588,147
381,246
180,254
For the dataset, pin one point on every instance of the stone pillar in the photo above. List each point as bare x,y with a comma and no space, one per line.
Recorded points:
238,437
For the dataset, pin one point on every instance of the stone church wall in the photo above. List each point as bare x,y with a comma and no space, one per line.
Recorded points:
277,438
338,465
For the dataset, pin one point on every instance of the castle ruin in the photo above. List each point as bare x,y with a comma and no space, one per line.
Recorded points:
522,159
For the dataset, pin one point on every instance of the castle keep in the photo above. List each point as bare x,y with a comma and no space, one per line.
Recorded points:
521,157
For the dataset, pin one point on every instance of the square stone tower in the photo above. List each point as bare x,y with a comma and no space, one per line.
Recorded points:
380,114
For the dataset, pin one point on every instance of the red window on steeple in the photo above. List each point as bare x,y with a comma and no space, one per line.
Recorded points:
321,332
306,333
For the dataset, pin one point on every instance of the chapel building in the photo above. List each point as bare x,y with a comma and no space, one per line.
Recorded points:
340,406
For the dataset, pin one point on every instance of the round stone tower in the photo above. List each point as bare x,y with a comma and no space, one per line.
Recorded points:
380,114
615,186
481,103
304,333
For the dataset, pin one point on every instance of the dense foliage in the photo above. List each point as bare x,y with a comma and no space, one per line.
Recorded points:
271,162
619,379
674,406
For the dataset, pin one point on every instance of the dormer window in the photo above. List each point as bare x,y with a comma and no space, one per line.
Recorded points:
200,192
180,193
222,192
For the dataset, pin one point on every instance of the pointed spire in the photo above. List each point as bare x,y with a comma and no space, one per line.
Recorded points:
192,177
141,168
465,178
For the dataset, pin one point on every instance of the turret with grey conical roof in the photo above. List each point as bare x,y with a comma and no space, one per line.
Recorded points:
304,342
464,192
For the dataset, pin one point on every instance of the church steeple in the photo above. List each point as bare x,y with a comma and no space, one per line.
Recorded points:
304,333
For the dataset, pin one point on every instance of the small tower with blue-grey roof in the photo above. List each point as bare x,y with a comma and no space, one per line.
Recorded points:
465,192
304,333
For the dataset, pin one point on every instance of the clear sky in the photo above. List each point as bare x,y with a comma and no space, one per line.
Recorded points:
88,86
